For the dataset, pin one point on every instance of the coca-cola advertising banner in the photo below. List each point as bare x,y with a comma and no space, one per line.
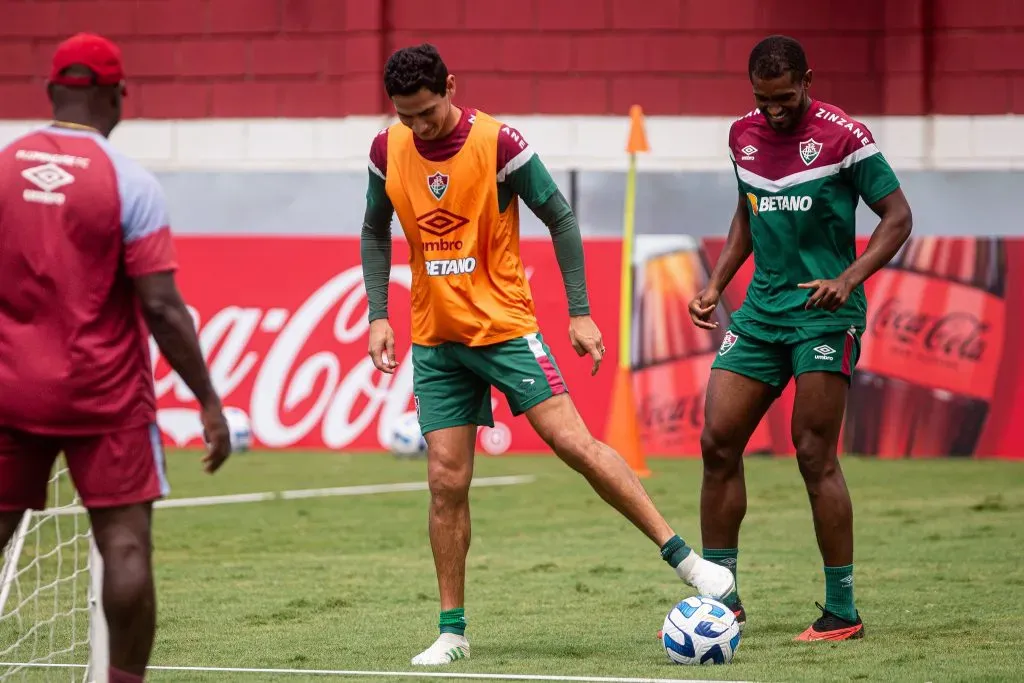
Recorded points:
282,322
938,374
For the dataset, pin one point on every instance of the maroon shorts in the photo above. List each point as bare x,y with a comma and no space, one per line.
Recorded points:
108,470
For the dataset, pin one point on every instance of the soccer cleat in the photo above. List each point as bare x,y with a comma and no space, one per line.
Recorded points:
739,612
446,649
832,627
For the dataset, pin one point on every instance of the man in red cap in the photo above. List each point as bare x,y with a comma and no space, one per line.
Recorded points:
87,265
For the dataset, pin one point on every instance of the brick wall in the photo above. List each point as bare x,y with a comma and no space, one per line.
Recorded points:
256,58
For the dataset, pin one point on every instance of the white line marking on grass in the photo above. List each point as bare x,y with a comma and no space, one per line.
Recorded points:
398,674
366,490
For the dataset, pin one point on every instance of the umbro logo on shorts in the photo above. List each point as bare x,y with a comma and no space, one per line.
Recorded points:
824,352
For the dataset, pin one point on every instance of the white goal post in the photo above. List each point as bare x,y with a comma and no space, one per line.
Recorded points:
52,626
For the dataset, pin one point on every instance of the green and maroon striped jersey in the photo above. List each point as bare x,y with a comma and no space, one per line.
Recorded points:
802,189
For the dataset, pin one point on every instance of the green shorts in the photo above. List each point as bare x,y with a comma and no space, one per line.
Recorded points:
773,355
452,382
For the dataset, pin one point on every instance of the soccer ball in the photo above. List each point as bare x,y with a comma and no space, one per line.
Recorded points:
239,428
700,630
406,438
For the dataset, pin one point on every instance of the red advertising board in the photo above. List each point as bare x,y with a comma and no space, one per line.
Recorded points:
283,324
938,375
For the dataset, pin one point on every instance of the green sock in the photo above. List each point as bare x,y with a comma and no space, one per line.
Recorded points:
725,557
454,621
839,592
675,551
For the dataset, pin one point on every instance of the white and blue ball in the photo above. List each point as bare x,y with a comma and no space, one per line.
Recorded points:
406,437
239,427
700,630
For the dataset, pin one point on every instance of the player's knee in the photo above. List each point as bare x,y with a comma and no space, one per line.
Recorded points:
575,447
815,454
448,488
720,454
127,562
448,480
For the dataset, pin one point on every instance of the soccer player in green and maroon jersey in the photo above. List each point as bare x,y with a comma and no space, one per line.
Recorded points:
454,177
801,166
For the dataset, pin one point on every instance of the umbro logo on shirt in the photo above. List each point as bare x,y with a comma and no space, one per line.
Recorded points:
47,178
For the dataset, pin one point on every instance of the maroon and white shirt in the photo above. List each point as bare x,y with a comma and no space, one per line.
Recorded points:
78,221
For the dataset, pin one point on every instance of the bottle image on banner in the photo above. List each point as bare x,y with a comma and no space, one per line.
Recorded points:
671,357
931,351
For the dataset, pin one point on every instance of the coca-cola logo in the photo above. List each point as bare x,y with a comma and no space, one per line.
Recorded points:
298,385
955,334
673,414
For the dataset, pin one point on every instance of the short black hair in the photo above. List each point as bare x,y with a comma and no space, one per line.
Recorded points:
413,68
777,55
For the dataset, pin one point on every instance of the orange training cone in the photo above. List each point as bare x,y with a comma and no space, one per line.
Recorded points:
637,141
623,429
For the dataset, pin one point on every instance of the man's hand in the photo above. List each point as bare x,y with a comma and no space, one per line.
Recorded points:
586,339
217,436
382,346
702,306
828,294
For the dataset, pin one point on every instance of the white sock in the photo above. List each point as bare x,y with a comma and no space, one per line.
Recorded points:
685,568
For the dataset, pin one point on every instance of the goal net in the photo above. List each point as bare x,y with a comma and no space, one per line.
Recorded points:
50,582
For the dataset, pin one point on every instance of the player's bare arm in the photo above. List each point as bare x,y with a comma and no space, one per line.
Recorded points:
892,231
738,247
175,334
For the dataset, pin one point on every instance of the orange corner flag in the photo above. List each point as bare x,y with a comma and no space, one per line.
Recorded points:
637,133
623,429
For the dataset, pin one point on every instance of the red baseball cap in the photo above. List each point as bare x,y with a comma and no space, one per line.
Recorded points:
98,54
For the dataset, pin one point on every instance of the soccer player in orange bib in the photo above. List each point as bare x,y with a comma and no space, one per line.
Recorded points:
454,176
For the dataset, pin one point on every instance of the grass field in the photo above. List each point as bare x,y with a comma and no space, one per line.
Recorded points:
560,585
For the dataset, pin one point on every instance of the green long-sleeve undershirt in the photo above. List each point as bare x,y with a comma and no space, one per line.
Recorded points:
532,183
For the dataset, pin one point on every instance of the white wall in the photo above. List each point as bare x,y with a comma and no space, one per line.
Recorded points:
585,143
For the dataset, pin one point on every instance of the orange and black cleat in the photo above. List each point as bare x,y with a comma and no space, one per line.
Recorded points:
739,613
832,627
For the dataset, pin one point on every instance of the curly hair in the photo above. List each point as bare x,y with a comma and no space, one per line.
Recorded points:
777,55
413,68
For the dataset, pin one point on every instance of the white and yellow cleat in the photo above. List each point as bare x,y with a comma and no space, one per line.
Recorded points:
446,649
